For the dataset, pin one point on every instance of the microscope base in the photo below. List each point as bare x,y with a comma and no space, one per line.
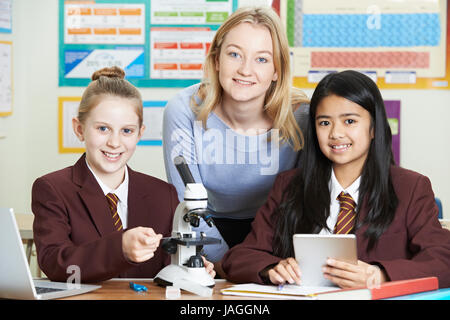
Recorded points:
171,273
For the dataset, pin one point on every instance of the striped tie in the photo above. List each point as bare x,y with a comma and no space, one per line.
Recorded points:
112,200
346,218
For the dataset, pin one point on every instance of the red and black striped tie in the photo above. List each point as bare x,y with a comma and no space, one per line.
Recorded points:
113,200
346,218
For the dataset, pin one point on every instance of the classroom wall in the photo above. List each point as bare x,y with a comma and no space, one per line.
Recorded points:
30,148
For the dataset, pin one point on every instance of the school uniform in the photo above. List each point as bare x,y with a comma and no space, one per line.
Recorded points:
73,224
414,245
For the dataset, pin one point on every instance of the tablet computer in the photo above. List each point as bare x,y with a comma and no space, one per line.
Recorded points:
312,251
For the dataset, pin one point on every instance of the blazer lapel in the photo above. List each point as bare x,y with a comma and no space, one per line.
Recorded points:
361,238
136,207
92,196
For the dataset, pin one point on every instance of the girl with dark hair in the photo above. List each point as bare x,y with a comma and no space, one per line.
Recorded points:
348,183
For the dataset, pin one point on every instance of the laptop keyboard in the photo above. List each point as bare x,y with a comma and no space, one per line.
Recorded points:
41,290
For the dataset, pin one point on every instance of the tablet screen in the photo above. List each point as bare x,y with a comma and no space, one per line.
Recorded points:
312,251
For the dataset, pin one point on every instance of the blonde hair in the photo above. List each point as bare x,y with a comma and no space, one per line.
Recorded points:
109,82
281,98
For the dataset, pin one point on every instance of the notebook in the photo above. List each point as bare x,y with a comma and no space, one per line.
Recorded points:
386,290
15,276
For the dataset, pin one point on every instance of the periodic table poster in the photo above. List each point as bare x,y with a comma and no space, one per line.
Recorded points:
399,44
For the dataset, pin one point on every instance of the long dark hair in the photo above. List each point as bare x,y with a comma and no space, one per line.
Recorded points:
306,204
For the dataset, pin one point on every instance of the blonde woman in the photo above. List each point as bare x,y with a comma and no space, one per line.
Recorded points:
240,126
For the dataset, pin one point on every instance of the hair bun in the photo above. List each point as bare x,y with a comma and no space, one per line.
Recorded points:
110,72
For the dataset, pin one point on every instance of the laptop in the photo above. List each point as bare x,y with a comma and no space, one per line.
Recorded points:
313,250
15,276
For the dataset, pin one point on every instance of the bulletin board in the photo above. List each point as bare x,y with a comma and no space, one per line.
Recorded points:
6,78
399,44
68,108
6,16
393,115
159,43
67,140
153,121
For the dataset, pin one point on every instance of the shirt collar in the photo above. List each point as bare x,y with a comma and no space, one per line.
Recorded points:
121,191
336,188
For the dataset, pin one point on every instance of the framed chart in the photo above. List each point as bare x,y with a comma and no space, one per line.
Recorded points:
6,16
398,44
67,140
68,108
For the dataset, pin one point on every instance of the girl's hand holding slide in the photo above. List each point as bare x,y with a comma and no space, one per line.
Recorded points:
286,270
139,244
209,266
348,275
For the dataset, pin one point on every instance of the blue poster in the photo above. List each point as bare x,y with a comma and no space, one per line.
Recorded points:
103,33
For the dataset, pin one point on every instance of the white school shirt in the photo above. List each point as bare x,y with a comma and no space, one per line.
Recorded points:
335,190
121,192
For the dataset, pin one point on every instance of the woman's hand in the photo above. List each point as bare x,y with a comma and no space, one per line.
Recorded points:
209,266
139,244
348,275
286,270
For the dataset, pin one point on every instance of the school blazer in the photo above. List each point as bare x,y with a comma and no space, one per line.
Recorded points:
73,224
414,245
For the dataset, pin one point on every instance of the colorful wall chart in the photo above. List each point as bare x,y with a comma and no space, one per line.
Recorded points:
159,43
67,140
398,44
153,121
393,115
6,16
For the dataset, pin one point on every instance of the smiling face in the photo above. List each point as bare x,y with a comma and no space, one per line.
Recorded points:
245,64
344,132
110,132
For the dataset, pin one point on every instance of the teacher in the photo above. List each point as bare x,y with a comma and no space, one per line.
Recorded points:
240,126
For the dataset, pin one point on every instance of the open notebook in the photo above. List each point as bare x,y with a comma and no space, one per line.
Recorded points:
290,291
386,290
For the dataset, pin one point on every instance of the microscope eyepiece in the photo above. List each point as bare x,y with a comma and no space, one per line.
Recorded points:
183,170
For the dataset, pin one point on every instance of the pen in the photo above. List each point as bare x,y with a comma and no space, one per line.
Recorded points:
280,287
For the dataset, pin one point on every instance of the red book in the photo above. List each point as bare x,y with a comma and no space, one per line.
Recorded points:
386,290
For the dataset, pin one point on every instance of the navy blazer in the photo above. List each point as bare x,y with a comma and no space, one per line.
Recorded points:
414,245
73,224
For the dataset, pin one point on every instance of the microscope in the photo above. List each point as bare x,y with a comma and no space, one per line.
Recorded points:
187,270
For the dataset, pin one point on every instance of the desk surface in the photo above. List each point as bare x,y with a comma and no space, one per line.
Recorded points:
119,289
445,223
25,224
